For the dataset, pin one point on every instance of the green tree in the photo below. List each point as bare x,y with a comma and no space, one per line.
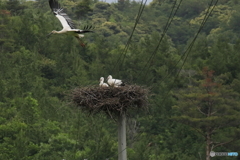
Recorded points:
82,8
6,38
211,109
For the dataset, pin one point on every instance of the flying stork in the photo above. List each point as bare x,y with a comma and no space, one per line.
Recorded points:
67,23
102,84
114,82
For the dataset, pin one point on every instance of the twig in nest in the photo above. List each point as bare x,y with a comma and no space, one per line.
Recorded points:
110,100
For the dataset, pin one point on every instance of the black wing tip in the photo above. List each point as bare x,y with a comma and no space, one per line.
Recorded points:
88,27
54,4
83,31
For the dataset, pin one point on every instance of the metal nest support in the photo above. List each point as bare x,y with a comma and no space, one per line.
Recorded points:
112,101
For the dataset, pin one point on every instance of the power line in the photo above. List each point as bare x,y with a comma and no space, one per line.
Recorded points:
169,21
194,39
120,59
185,54
207,15
187,51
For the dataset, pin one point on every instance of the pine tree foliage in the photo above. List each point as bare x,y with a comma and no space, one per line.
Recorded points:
36,73
210,108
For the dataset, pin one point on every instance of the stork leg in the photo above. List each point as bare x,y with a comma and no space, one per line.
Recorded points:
80,41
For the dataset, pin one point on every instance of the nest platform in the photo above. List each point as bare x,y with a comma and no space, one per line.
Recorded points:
110,100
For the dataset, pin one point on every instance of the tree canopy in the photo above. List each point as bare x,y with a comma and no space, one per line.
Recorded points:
185,52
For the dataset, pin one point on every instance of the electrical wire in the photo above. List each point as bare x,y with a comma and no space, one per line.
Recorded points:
187,51
120,59
185,54
169,21
194,39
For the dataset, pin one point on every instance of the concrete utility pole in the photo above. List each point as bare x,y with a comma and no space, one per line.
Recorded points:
114,101
122,143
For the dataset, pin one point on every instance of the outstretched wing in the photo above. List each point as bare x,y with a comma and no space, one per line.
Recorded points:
62,16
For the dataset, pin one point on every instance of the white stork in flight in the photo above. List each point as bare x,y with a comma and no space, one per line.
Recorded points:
114,82
102,84
67,23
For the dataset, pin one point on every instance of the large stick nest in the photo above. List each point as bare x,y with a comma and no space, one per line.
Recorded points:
110,100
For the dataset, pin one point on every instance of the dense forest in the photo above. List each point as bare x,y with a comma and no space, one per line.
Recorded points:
187,52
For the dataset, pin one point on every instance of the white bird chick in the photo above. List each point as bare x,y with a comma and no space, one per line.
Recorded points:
102,84
114,82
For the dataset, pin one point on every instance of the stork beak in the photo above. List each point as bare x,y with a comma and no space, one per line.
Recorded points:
49,34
